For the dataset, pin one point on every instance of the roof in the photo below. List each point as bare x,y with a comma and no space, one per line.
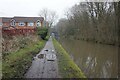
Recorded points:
28,19
22,19
6,19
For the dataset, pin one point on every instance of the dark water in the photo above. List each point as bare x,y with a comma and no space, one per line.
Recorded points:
95,60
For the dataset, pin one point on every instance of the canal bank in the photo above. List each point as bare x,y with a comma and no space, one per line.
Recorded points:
67,68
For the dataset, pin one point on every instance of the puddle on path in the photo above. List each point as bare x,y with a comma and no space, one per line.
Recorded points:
41,56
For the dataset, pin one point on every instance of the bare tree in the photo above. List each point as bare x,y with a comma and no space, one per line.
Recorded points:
52,18
94,21
44,13
49,16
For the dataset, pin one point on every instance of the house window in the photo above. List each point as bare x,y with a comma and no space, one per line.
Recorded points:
38,23
12,22
1,24
21,24
30,24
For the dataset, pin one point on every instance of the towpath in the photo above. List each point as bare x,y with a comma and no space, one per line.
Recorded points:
45,63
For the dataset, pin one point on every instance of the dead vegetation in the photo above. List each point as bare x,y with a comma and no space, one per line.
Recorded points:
14,43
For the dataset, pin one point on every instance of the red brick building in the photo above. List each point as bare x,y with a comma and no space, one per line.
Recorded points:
20,25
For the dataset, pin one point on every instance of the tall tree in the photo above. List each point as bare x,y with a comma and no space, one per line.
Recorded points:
96,21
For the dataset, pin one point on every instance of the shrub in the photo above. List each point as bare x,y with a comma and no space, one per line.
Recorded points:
42,32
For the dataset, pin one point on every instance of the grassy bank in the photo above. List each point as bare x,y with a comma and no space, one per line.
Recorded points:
67,68
15,64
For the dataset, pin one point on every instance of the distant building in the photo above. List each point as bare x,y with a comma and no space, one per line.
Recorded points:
21,22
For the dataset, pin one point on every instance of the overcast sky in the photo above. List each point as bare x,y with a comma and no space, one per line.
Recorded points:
32,7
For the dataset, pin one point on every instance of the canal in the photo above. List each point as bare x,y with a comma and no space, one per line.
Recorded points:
95,60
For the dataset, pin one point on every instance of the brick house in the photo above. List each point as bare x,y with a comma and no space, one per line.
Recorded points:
21,22
20,25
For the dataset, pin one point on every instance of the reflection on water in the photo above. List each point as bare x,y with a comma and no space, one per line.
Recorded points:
95,60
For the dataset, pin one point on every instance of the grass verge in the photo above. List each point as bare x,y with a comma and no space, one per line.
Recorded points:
67,68
16,64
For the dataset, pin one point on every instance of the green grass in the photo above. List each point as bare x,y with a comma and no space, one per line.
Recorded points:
16,64
67,68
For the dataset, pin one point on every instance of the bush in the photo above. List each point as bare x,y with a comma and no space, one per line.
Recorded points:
42,32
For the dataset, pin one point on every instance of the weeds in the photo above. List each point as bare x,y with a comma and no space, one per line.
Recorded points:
17,54
13,44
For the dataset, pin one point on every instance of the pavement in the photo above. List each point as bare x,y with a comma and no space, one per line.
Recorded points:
45,63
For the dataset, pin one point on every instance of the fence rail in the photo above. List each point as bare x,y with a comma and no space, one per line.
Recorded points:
13,32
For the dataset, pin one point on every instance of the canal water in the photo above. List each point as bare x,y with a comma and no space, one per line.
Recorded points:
95,60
